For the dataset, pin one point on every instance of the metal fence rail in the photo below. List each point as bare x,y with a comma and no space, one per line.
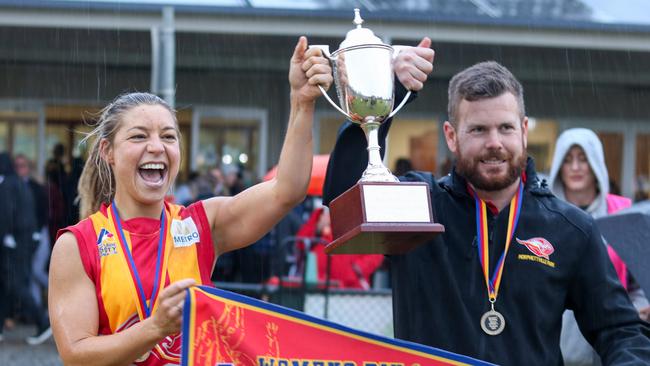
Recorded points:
370,310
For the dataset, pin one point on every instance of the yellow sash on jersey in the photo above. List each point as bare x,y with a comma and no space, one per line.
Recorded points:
118,290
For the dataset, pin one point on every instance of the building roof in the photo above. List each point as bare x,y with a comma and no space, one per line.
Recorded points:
564,24
626,15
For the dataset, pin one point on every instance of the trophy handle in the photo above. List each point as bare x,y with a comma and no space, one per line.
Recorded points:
396,50
332,102
325,50
406,97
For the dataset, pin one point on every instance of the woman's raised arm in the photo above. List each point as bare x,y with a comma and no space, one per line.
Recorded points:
240,220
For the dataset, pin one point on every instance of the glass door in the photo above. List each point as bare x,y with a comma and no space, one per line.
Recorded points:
22,131
230,139
613,149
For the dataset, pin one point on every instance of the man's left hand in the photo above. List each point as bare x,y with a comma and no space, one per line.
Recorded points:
413,64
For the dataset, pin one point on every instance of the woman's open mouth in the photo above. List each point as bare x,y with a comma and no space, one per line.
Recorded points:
153,174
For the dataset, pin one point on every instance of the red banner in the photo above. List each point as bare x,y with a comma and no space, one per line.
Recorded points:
221,328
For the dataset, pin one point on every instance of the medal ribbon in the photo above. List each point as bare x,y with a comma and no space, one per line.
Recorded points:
144,309
494,282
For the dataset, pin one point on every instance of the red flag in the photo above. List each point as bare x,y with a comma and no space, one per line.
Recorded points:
222,328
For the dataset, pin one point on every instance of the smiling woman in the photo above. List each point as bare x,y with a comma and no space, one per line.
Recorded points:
150,127
118,277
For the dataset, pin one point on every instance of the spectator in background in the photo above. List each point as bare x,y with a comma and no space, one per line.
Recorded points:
233,175
42,255
209,184
267,258
579,176
183,192
71,192
345,270
230,266
56,164
8,188
56,200
19,222
23,167
402,165
219,188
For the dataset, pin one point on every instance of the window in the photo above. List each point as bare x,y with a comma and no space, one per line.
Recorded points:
413,139
18,133
542,134
613,149
229,142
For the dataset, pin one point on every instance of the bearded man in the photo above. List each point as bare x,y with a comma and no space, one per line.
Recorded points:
540,254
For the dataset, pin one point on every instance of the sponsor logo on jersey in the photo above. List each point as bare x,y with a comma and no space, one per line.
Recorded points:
184,232
106,243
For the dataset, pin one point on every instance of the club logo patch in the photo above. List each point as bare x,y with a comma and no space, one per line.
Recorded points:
540,247
184,232
106,243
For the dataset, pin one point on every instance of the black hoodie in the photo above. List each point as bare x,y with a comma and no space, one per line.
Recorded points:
17,214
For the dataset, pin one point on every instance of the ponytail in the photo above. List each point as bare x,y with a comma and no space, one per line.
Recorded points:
96,184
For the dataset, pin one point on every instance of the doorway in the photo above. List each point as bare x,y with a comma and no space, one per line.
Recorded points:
232,137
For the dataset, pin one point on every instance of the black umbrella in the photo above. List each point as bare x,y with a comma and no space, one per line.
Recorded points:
628,232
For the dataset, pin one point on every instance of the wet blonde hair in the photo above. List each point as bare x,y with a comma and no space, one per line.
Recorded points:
97,182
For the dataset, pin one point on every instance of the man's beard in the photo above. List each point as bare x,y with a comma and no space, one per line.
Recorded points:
468,169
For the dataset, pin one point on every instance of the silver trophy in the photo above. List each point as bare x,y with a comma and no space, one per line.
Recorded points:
363,74
379,214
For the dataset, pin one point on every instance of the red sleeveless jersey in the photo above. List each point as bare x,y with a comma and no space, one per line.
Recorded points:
189,253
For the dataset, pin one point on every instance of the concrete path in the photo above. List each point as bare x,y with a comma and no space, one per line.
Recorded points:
14,350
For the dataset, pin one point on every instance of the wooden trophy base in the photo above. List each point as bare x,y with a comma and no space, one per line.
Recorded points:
382,218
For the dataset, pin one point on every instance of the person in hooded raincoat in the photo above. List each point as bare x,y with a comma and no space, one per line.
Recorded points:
579,176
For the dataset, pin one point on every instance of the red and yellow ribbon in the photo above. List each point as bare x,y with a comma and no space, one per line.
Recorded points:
492,283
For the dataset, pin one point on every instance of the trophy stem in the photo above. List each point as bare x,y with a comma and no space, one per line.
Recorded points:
376,171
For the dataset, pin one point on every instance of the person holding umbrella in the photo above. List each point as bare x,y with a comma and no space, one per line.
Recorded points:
579,176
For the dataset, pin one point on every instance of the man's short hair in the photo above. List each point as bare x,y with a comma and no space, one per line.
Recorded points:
487,79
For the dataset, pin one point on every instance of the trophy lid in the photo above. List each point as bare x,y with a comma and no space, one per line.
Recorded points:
359,35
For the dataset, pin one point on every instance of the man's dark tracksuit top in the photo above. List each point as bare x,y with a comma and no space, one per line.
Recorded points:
439,292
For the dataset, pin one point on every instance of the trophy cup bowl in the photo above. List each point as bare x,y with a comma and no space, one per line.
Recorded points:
363,77
379,214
